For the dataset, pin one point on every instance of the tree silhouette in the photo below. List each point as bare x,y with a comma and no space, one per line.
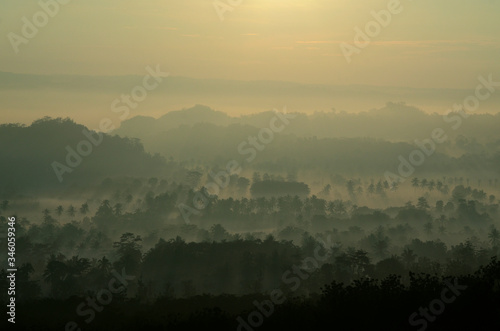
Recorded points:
494,236
71,211
59,210
84,209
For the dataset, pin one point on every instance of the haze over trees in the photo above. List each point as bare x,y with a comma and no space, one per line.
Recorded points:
143,202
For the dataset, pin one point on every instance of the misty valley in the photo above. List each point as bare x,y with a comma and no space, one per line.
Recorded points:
274,220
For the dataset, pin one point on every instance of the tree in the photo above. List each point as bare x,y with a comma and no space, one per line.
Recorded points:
422,203
129,250
350,188
379,188
63,276
325,192
449,207
380,242
339,207
84,209
59,210
494,236
243,183
445,190
428,228
359,190
255,177
439,206
408,257
460,192
117,209
71,211
371,188
381,246
153,181
104,265
218,232
193,178
357,260
48,221
128,243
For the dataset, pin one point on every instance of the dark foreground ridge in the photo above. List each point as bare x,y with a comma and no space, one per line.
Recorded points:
428,302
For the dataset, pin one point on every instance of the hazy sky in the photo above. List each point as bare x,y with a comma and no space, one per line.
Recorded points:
430,43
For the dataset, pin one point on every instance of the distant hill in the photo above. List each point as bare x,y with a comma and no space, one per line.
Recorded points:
30,155
396,122
141,126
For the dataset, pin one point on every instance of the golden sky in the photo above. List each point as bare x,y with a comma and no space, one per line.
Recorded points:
429,43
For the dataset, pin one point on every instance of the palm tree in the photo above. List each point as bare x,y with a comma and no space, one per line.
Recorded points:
84,209
408,257
104,265
71,211
494,236
59,210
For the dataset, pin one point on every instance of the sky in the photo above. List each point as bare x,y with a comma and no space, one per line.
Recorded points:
426,43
